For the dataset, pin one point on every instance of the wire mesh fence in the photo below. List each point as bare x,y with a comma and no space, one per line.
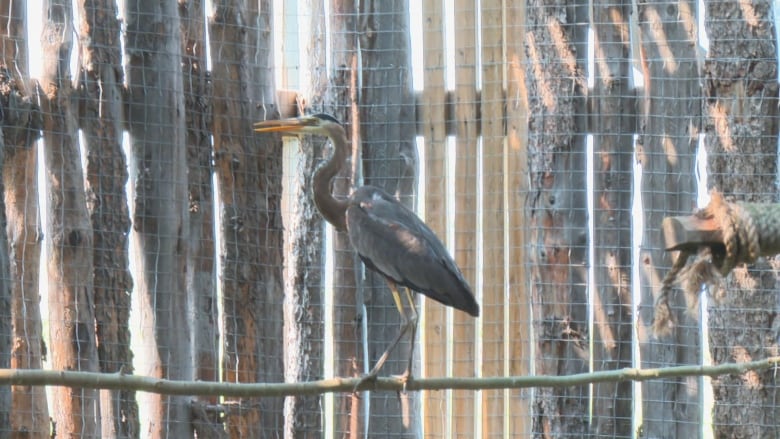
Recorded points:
149,231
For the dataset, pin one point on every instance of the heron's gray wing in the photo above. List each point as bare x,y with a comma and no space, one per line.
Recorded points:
392,240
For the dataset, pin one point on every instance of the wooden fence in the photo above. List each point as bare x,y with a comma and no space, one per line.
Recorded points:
544,146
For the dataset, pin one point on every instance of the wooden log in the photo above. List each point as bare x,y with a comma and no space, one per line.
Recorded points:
690,232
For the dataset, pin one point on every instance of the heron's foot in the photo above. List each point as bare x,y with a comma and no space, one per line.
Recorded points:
371,376
405,378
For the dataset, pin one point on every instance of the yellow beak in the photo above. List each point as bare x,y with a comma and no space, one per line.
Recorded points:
293,124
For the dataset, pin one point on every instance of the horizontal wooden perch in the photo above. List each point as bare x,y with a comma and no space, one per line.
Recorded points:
93,380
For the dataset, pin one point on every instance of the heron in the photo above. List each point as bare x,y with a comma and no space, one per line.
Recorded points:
387,236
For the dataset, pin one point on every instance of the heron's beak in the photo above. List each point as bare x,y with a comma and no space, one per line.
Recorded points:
294,124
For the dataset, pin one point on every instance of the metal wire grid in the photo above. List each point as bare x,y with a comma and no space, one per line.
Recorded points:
489,207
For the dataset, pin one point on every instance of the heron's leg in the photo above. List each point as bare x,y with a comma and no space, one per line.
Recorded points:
406,324
412,322
404,328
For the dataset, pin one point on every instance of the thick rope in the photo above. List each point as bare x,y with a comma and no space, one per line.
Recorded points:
740,234
664,321
741,239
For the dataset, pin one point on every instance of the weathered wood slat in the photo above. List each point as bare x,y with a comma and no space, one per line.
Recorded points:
492,212
465,208
433,331
517,321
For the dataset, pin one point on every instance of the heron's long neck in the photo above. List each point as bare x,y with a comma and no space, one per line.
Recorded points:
332,209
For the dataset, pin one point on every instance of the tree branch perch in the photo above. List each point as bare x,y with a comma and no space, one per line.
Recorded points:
28,377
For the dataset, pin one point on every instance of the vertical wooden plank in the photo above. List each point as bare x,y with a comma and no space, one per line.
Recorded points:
741,141
433,328
465,205
6,329
669,118
556,44
21,129
387,116
106,168
249,171
347,308
266,160
201,263
304,330
155,115
492,212
234,179
518,332
69,236
611,298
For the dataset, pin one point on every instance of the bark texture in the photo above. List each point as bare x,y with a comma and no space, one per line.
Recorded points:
389,162
101,120
348,310
158,172
21,128
741,125
69,241
555,47
249,173
304,240
669,116
613,127
201,271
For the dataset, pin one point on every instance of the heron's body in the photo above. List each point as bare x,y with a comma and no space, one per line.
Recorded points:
392,240
388,237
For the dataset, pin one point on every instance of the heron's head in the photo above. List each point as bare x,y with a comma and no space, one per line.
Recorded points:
312,124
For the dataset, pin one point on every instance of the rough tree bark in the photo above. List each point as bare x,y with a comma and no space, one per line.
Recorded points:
201,276
612,114
6,329
101,120
248,169
21,125
669,111
390,162
69,238
741,125
304,314
348,310
304,326
556,46
269,237
158,170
